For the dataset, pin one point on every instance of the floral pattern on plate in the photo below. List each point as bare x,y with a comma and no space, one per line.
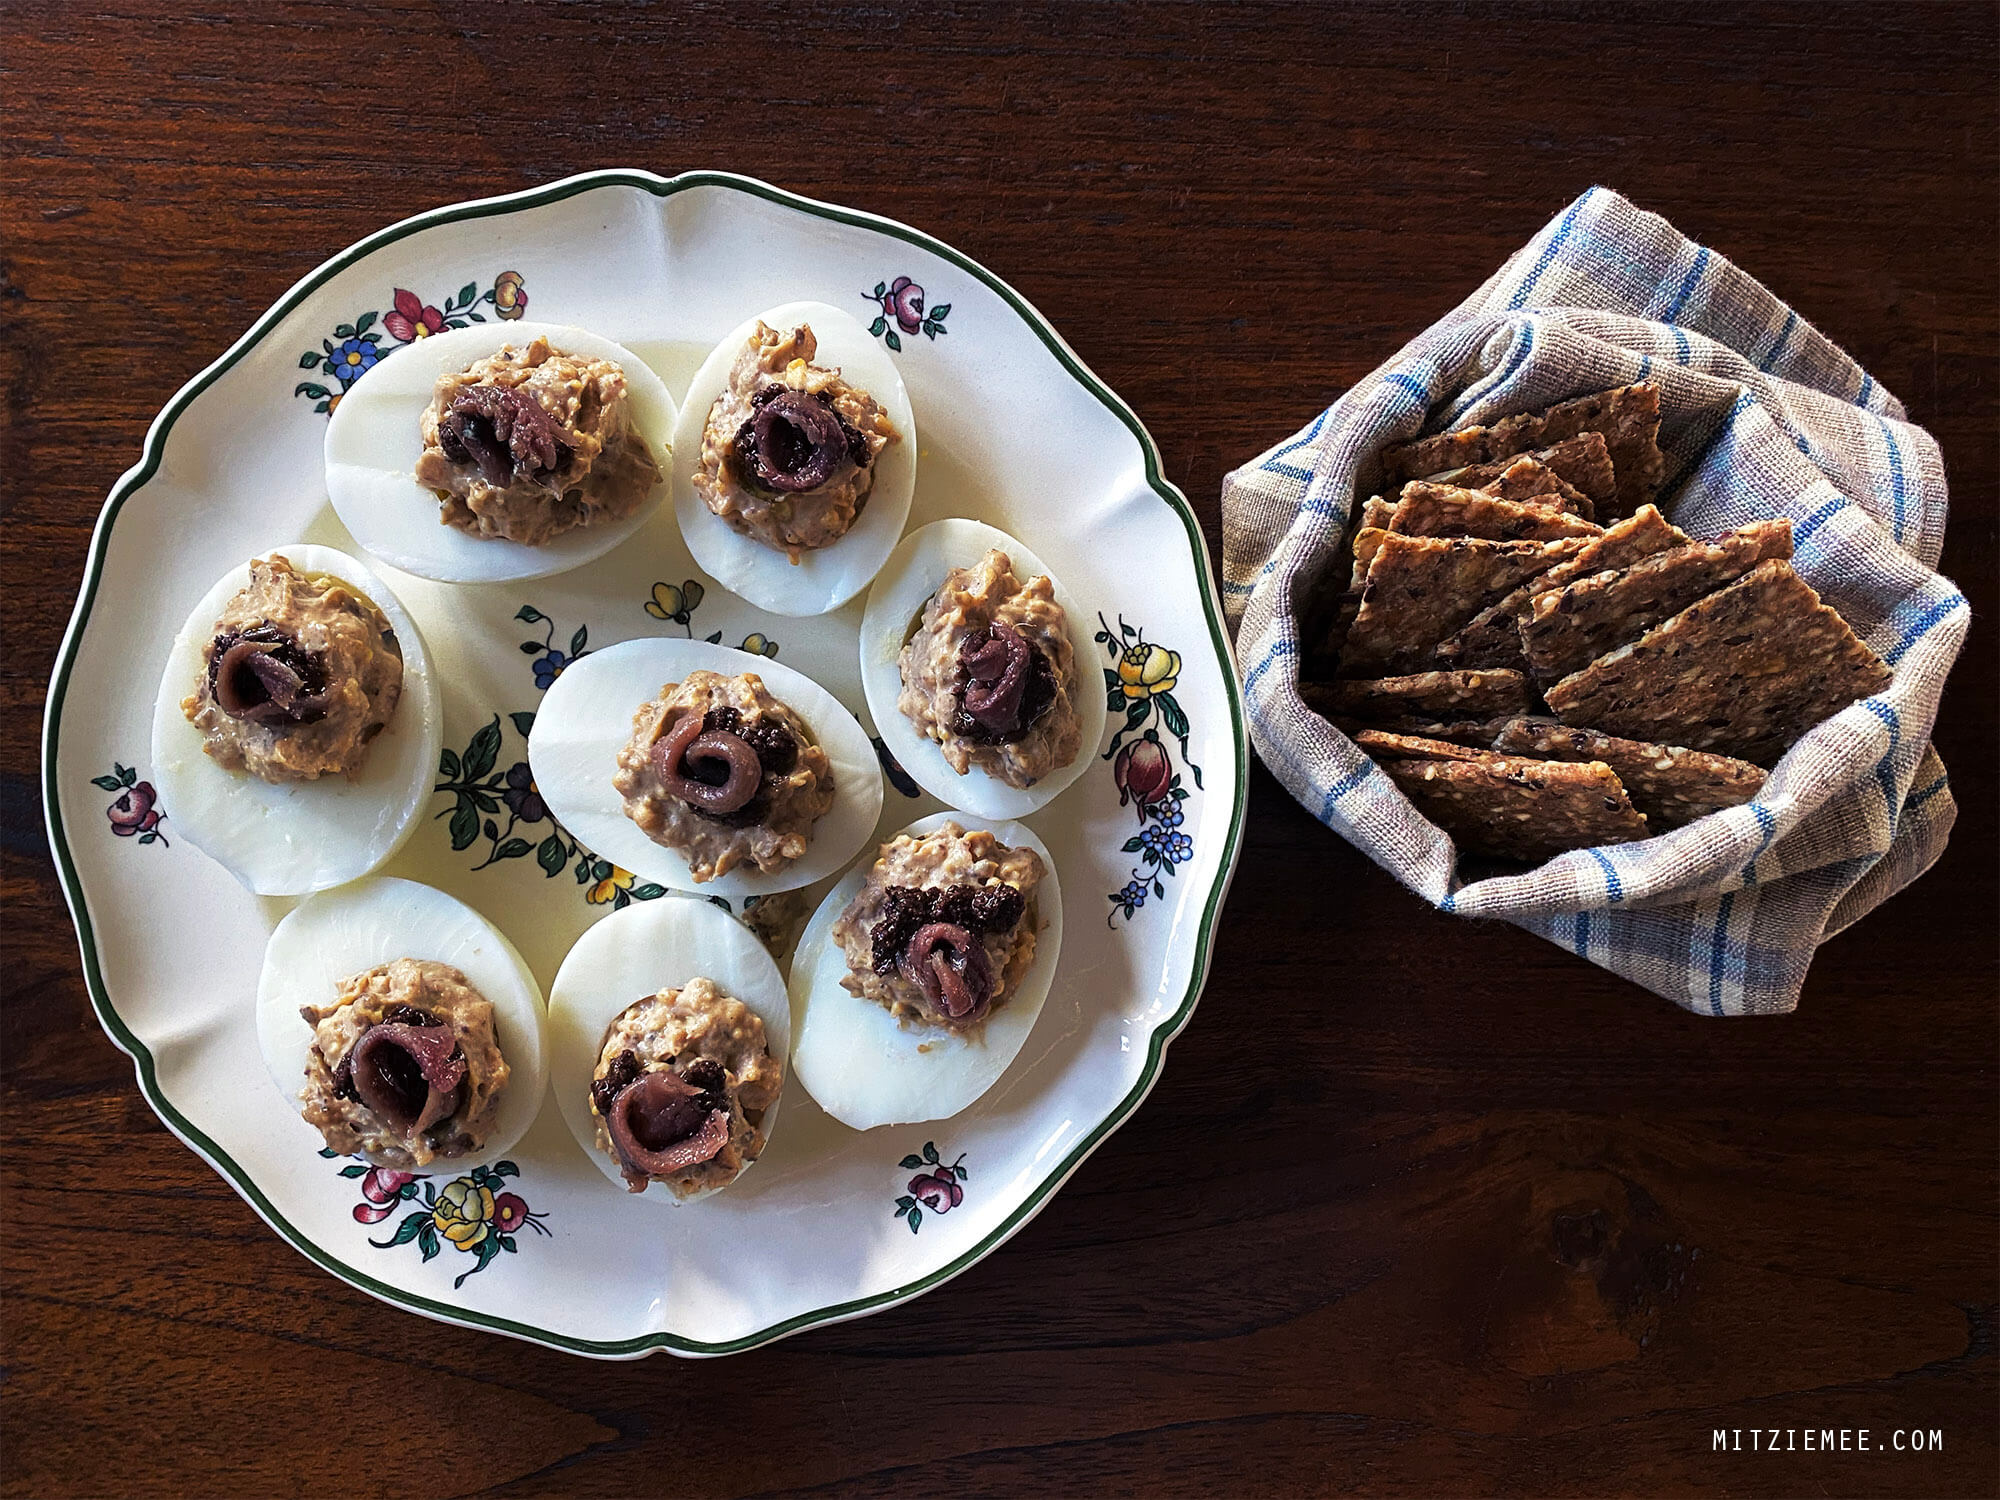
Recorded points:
473,1214
356,347
935,1187
136,811
902,304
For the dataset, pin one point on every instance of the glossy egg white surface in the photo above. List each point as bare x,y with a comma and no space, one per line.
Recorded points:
586,718
634,954
286,840
340,933
827,577
864,1066
912,575
374,438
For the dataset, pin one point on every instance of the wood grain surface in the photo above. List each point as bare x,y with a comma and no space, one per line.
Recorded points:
1419,1206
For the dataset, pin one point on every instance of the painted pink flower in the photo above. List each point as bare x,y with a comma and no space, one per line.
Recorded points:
1143,774
134,812
904,302
938,1191
509,1212
383,1189
410,320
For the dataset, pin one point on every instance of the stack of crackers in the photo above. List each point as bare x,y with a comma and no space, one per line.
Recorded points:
1542,662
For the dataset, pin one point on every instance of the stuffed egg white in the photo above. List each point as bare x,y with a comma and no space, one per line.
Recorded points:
914,693
428,1042
318,823
864,1063
801,551
677,999
602,752
376,449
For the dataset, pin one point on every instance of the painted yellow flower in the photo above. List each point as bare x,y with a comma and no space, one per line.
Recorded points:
1146,670
463,1213
757,644
510,297
671,602
606,890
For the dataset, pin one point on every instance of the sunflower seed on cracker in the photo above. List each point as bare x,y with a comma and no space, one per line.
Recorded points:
1492,638
1744,672
1426,509
1520,809
1628,418
1419,590
1566,628
1440,696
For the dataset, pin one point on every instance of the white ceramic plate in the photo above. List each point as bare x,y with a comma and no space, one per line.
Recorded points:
172,944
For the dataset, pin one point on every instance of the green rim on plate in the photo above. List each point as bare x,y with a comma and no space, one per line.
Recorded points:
134,478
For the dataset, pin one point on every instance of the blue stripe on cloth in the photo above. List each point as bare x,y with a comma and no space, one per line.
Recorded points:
1768,821
1885,770
1716,949
1287,471
1693,280
1681,343
1409,383
1612,883
1278,649
1818,519
1526,289
1918,799
1784,335
1645,366
1867,389
1583,934
1304,440
1343,786
1898,492
1921,626
1238,588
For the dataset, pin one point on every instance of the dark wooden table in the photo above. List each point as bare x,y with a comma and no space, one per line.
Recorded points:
1501,1223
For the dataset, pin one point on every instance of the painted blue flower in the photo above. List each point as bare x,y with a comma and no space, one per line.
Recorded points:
1133,896
352,359
547,668
1166,845
1179,849
1170,816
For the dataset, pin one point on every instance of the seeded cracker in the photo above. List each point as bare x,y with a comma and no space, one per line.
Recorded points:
1421,589
1567,628
1672,786
1744,672
1492,638
1471,734
1531,479
1582,463
1628,418
1520,809
1384,744
1443,510
1436,695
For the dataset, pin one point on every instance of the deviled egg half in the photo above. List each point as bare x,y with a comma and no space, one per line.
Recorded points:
705,768
668,1036
978,671
500,451
919,978
795,460
297,726
403,1026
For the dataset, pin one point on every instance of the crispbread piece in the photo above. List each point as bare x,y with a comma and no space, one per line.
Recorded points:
1529,478
1627,417
1384,744
1520,809
1744,672
1670,784
1444,510
1582,462
1566,628
1474,734
1375,513
1420,589
1431,695
1492,637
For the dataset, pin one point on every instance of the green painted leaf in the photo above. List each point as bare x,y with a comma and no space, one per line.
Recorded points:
962,1173
107,783
344,331
356,1170
930,1152
532,648
468,293
881,290
328,1151
507,1243
714,640
912,1162
936,330
482,801
448,765
504,1169
1170,712
427,1241
940,312
1193,767
529,614
1111,681
483,751
412,1226
1133,846
512,849
524,722
892,341
308,359
577,641
1135,715
905,1203
551,855
648,892
916,1218
148,837
464,826
307,388
492,831
364,322
877,326
1159,890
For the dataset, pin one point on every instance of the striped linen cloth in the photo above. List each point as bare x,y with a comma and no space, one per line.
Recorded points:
1762,416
